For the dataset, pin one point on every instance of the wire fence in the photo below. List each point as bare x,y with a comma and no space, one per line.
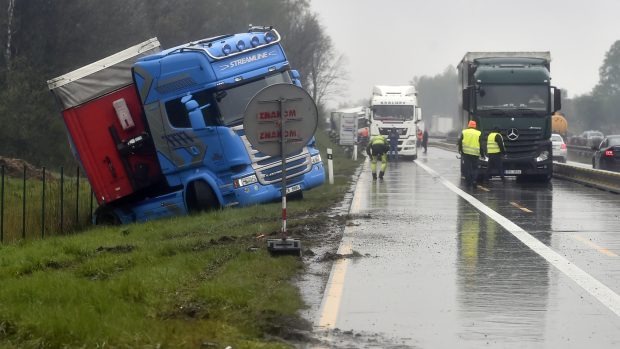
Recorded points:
41,203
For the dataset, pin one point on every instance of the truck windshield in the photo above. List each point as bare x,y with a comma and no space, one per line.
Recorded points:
533,97
232,102
393,112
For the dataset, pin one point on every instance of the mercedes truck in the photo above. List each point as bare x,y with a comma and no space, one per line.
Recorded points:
511,91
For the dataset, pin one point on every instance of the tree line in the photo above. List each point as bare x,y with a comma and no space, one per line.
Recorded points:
600,108
42,39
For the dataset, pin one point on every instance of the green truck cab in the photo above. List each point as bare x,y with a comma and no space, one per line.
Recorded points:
512,91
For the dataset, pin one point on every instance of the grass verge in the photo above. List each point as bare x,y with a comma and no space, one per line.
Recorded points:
197,281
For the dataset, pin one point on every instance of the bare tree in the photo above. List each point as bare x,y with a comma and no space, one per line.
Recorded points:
9,33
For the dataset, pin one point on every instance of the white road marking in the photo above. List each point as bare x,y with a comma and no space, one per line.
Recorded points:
596,288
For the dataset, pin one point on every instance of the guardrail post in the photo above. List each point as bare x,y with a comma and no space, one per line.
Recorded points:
62,199
77,196
24,205
2,207
43,205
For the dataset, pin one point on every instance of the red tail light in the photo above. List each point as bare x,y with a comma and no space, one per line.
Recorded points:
609,153
563,146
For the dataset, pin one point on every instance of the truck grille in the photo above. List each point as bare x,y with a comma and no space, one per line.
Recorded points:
386,131
269,168
526,145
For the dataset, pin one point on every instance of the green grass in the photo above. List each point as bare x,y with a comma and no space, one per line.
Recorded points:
172,283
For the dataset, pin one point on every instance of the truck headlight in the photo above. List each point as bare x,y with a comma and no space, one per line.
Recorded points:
544,155
316,159
243,181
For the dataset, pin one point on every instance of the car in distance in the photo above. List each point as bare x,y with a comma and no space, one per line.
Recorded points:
591,138
607,155
559,148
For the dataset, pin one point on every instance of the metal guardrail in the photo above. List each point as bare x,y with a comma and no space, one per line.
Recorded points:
605,180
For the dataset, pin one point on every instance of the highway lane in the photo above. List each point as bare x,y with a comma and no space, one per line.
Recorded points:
440,272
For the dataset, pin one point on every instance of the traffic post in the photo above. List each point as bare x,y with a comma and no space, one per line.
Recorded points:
330,165
279,121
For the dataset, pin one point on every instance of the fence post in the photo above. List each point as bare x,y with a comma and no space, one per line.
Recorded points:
43,206
77,197
62,199
24,205
2,207
91,205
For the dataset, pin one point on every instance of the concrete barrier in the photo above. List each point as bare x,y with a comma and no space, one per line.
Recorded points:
605,180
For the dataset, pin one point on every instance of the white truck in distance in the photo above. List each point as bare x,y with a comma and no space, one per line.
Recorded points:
396,107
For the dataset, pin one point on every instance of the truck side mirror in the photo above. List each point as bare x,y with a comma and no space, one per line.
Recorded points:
295,77
466,97
557,99
418,114
195,113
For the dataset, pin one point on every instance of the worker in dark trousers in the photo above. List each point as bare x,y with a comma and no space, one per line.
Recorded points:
377,150
425,140
393,138
470,150
496,152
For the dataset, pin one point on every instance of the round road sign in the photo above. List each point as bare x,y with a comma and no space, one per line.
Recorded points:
268,108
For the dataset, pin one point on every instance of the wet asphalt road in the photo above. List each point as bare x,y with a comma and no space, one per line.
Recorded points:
437,272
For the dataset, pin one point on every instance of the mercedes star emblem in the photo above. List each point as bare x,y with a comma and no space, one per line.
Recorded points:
513,134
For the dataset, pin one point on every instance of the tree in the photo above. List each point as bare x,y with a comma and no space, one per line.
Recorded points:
437,95
609,72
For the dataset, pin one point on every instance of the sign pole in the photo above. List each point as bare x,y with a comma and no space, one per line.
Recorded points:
283,156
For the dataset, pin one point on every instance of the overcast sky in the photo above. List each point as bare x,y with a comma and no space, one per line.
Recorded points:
391,41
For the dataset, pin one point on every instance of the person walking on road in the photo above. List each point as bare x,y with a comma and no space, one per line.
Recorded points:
377,150
496,152
393,138
425,140
470,150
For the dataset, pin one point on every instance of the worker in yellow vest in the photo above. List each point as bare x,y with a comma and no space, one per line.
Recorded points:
469,146
495,151
377,150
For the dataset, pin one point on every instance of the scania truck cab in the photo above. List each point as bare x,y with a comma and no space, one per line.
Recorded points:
162,134
396,107
511,91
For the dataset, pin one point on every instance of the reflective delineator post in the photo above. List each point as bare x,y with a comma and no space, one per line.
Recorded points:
330,166
354,152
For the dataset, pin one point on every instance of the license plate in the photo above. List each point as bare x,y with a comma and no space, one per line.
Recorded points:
512,172
293,188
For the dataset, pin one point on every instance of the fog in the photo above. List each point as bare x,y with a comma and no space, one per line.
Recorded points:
391,41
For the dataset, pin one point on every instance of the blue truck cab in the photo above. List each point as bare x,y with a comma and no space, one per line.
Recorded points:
190,102
208,157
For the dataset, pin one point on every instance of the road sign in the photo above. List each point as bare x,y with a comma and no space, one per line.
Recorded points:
280,118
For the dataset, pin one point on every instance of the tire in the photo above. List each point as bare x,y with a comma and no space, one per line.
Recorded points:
414,157
200,197
105,215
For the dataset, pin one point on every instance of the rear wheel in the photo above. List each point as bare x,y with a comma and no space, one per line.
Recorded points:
200,197
105,215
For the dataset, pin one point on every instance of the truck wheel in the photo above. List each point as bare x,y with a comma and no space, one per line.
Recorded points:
413,158
106,216
200,197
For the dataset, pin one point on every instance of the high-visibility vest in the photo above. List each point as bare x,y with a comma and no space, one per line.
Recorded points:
492,146
378,140
471,141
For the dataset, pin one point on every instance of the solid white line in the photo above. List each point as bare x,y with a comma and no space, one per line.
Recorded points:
596,288
332,297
